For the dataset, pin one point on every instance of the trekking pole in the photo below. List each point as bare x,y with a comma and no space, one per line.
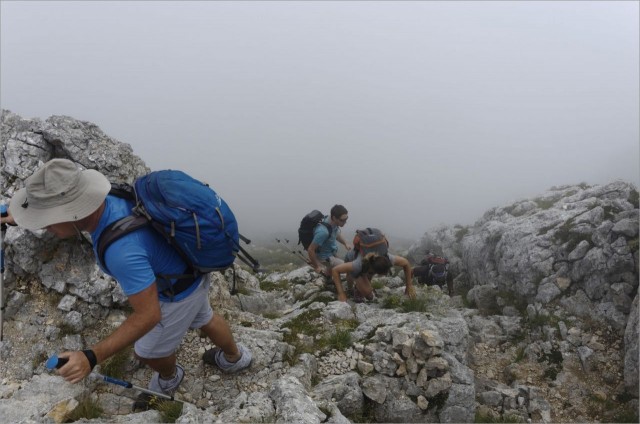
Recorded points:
55,362
3,229
296,253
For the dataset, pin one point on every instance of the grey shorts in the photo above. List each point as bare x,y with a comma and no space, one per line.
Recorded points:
331,262
177,318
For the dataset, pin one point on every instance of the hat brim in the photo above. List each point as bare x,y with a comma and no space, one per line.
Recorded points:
97,186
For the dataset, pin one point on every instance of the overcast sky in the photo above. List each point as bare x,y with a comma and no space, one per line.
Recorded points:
411,114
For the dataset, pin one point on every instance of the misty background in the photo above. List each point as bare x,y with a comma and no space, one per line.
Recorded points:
411,114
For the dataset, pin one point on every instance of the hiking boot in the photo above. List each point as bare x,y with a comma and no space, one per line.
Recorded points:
169,386
216,358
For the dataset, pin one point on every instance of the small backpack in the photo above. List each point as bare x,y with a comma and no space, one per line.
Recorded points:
191,216
308,224
370,240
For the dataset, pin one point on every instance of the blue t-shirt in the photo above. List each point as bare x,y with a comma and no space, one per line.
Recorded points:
327,245
136,258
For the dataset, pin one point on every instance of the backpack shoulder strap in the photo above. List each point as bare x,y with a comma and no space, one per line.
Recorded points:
115,231
123,190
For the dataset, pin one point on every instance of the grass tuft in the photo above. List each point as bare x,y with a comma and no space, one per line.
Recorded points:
87,408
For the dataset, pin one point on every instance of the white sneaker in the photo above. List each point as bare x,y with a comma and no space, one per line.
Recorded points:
216,357
168,387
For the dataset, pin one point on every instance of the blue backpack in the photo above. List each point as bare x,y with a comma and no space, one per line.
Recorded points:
191,216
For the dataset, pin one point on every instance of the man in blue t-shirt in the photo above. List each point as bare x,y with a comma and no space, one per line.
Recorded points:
65,201
323,248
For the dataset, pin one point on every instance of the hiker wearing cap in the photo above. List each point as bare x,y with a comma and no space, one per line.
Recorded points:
323,248
67,201
361,269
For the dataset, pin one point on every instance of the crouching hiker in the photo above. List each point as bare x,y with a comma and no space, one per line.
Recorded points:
369,257
66,201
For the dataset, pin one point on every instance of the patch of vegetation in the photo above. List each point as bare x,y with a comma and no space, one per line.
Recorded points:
461,232
554,359
544,203
307,324
87,408
418,304
626,415
170,411
271,286
633,245
116,365
565,234
340,340
393,301
519,354
271,315
541,320
243,291
485,418
377,284
66,329
511,299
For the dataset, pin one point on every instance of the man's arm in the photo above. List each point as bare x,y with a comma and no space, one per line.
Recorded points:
406,267
146,314
343,241
313,259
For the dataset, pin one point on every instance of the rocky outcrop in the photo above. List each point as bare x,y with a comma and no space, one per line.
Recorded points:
533,272
568,257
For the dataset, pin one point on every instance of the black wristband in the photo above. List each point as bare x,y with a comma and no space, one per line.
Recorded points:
91,357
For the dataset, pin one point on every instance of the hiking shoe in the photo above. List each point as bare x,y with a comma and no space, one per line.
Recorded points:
168,387
216,357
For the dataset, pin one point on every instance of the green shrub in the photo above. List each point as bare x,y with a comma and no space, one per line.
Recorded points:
169,411
340,340
87,408
116,365
271,286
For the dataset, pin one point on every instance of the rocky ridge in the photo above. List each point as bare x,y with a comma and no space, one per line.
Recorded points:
543,327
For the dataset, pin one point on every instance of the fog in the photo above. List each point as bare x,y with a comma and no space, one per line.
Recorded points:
411,114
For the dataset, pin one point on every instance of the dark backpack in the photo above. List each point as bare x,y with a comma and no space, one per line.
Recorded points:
370,240
308,224
191,216
437,270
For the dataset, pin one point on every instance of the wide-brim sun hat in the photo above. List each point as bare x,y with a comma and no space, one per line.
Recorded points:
58,192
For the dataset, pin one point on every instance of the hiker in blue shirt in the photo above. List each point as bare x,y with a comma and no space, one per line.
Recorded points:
66,201
323,248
